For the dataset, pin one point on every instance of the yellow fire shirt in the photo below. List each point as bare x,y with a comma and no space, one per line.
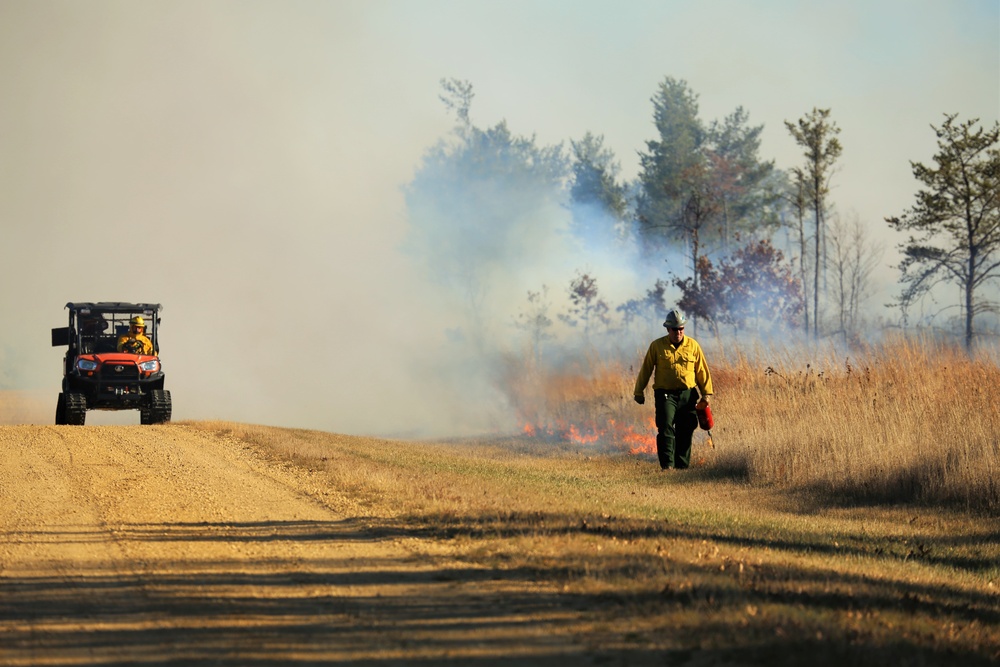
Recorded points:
676,367
145,344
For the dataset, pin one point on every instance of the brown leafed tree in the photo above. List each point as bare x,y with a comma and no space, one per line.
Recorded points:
751,291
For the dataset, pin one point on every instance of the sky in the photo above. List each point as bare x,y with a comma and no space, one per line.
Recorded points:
243,163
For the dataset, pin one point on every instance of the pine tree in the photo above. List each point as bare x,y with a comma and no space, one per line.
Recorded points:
955,224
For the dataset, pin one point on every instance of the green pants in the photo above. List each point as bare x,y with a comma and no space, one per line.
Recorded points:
676,421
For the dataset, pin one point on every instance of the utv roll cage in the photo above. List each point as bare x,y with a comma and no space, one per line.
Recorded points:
94,328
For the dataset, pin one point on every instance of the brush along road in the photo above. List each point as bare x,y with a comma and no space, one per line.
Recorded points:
168,544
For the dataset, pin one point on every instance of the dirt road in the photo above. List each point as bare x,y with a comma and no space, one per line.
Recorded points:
168,545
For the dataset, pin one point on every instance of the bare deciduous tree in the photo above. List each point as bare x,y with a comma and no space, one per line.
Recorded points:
817,134
852,259
536,321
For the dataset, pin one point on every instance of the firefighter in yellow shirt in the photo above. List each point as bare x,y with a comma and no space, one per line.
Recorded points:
135,341
677,365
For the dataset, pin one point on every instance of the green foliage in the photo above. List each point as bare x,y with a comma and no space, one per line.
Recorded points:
597,197
955,224
457,98
745,186
586,305
817,134
671,162
482,196
703,186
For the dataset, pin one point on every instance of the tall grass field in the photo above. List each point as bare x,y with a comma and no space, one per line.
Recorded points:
907,421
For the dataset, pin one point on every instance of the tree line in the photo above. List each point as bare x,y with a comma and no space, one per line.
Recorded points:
705,193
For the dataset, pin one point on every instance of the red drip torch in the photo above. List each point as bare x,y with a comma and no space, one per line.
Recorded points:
706,422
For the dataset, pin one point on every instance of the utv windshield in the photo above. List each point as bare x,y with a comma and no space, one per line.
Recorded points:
98,330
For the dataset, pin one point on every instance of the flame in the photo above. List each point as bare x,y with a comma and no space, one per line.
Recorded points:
584,438
640,440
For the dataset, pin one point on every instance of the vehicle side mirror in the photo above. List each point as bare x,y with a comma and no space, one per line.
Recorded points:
60,336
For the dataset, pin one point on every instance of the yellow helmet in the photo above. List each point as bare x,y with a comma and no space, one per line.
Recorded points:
137,321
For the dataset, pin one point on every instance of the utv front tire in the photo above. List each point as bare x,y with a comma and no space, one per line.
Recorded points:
159,408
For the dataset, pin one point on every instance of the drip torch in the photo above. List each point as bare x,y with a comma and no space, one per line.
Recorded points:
706,422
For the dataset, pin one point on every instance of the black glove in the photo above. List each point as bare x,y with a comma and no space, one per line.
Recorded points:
640,399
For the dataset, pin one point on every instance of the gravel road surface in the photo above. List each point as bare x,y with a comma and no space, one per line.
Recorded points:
169,545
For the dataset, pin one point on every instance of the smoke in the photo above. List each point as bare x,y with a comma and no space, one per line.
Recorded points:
523,277
211,160
243,164
173,155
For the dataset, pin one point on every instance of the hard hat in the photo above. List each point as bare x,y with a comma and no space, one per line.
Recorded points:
137,321
675,318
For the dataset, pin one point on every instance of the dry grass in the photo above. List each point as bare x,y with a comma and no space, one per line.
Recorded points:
590,403
904,422
659,565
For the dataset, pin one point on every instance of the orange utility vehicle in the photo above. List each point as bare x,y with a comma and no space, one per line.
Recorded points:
96,376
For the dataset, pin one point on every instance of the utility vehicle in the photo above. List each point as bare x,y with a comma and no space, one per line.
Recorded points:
96,376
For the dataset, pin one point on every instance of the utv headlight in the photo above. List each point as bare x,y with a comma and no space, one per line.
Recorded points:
86,365
149,366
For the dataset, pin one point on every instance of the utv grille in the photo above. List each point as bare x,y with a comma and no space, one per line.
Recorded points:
119,372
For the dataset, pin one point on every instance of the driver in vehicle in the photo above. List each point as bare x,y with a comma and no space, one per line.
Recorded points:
135,341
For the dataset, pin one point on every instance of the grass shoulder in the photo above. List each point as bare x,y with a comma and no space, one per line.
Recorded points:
676,561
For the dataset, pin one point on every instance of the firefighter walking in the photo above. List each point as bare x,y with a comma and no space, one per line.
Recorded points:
682,384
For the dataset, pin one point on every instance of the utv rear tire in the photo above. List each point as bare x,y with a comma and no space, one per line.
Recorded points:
61,409
75,409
